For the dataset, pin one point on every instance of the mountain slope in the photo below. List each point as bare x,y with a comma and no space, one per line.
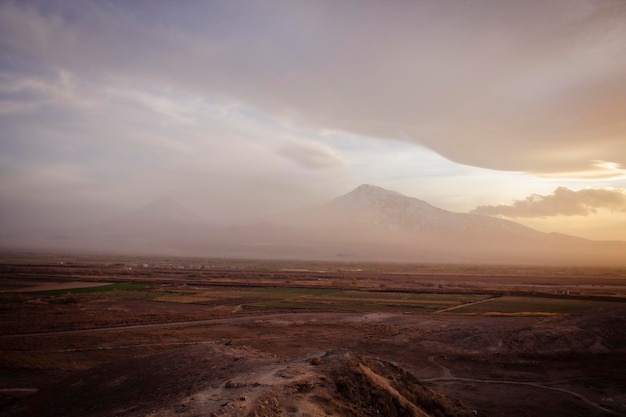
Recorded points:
370,205
374,223
164,210
162,226
368,223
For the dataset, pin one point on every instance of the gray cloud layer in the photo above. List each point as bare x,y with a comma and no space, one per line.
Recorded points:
525,86
311,155
105,105
563,202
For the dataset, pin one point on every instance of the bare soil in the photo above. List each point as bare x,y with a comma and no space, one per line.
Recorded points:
189,344
52,286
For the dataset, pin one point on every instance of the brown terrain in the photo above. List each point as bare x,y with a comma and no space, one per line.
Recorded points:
106,336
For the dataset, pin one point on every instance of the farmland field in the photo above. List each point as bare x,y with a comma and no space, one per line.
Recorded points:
508,304
488,335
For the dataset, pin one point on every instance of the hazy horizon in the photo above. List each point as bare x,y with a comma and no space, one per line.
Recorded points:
241,111
368,224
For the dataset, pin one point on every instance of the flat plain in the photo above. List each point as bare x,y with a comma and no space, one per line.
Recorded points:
498,340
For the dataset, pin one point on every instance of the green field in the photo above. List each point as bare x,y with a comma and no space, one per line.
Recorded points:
273,298
287,298
520,305
339,300
332,299
91,290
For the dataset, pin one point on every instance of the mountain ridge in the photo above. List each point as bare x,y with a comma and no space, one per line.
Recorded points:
367,223
369,205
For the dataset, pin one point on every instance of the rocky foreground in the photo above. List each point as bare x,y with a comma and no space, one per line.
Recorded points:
218,379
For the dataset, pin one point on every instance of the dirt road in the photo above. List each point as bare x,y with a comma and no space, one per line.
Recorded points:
447,376
287,318
445,310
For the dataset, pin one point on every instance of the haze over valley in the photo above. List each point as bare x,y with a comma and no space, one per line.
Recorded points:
368,223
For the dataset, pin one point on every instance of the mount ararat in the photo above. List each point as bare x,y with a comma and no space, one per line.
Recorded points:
368,224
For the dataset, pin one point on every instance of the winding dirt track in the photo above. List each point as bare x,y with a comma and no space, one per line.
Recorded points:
111,329
19,390
456,307
228,320
311,317
447,376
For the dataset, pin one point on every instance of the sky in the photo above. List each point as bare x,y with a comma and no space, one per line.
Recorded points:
243,109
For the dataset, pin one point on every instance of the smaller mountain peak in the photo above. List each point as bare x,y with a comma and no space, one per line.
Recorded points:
162,203
165,208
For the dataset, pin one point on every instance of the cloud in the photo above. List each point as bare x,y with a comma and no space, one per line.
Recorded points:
64,163
311,155
563,202
596,170
150,99
20,94
519,86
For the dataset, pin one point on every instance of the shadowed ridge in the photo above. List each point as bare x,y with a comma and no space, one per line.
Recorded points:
223,380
